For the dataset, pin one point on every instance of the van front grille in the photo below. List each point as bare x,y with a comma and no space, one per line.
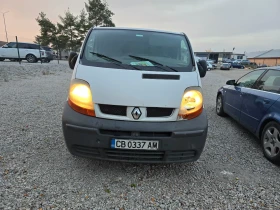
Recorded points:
113,110
159,112
121,110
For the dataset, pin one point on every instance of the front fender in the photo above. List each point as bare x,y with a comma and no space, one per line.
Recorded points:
221,91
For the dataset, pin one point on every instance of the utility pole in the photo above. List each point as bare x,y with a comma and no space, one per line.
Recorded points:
5,24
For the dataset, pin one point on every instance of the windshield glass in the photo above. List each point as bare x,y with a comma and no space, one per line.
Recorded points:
144,50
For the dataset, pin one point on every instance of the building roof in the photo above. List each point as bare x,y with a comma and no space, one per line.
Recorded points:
265,54
271,54
233,53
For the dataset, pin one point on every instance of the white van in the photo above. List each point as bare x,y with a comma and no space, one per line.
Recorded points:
135,96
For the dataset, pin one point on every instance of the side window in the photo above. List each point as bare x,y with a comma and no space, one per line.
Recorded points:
33,46
270,82
12,45
184,51
249,79
22,46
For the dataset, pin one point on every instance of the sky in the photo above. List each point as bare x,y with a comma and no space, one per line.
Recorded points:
216,25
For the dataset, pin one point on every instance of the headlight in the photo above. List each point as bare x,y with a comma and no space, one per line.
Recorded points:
191,105
80,98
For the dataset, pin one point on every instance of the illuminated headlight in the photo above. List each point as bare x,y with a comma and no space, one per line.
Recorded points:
191,104
80,98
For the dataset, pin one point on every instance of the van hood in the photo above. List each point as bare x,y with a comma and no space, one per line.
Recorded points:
135,87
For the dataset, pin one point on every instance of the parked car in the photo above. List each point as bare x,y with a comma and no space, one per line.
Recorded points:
210,61
214,66
49,53
27,51
262,66
209,66
245,62
139,120
226,60
237,65
225,66
238,60
254,102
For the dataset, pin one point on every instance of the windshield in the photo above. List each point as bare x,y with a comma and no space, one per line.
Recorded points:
144,50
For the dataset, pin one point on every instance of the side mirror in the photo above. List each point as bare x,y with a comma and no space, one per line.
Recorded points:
202,67
72,59
230,82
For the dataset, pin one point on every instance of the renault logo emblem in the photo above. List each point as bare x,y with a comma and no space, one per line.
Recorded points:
136,113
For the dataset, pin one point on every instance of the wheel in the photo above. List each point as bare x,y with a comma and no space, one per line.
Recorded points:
219,106
31,58
271,142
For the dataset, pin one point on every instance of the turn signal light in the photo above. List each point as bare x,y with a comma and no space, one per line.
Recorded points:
80,98
191,105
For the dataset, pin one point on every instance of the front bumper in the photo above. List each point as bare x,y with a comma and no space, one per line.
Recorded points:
50,57
180,141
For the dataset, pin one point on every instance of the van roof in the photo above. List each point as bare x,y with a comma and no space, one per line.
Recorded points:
137,29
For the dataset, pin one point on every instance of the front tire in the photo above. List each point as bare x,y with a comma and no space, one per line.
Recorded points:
271,142
220,106
31,58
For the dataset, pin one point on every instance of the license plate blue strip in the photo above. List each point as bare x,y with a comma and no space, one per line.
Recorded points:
113,143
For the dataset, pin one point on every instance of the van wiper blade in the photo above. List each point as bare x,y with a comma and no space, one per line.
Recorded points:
152,61
105,57
117,62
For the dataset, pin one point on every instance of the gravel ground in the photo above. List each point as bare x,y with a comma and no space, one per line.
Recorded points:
37,172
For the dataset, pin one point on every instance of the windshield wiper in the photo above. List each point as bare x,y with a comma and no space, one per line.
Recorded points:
117,62
152,61
105,57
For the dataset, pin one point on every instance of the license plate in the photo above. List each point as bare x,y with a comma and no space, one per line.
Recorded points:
134,144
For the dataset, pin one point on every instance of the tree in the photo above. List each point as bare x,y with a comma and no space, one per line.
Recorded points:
60,43
70,32
49,34
67,27
47,30
99,13
82,27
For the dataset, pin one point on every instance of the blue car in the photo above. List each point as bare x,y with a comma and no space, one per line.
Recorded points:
254,101
237,65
